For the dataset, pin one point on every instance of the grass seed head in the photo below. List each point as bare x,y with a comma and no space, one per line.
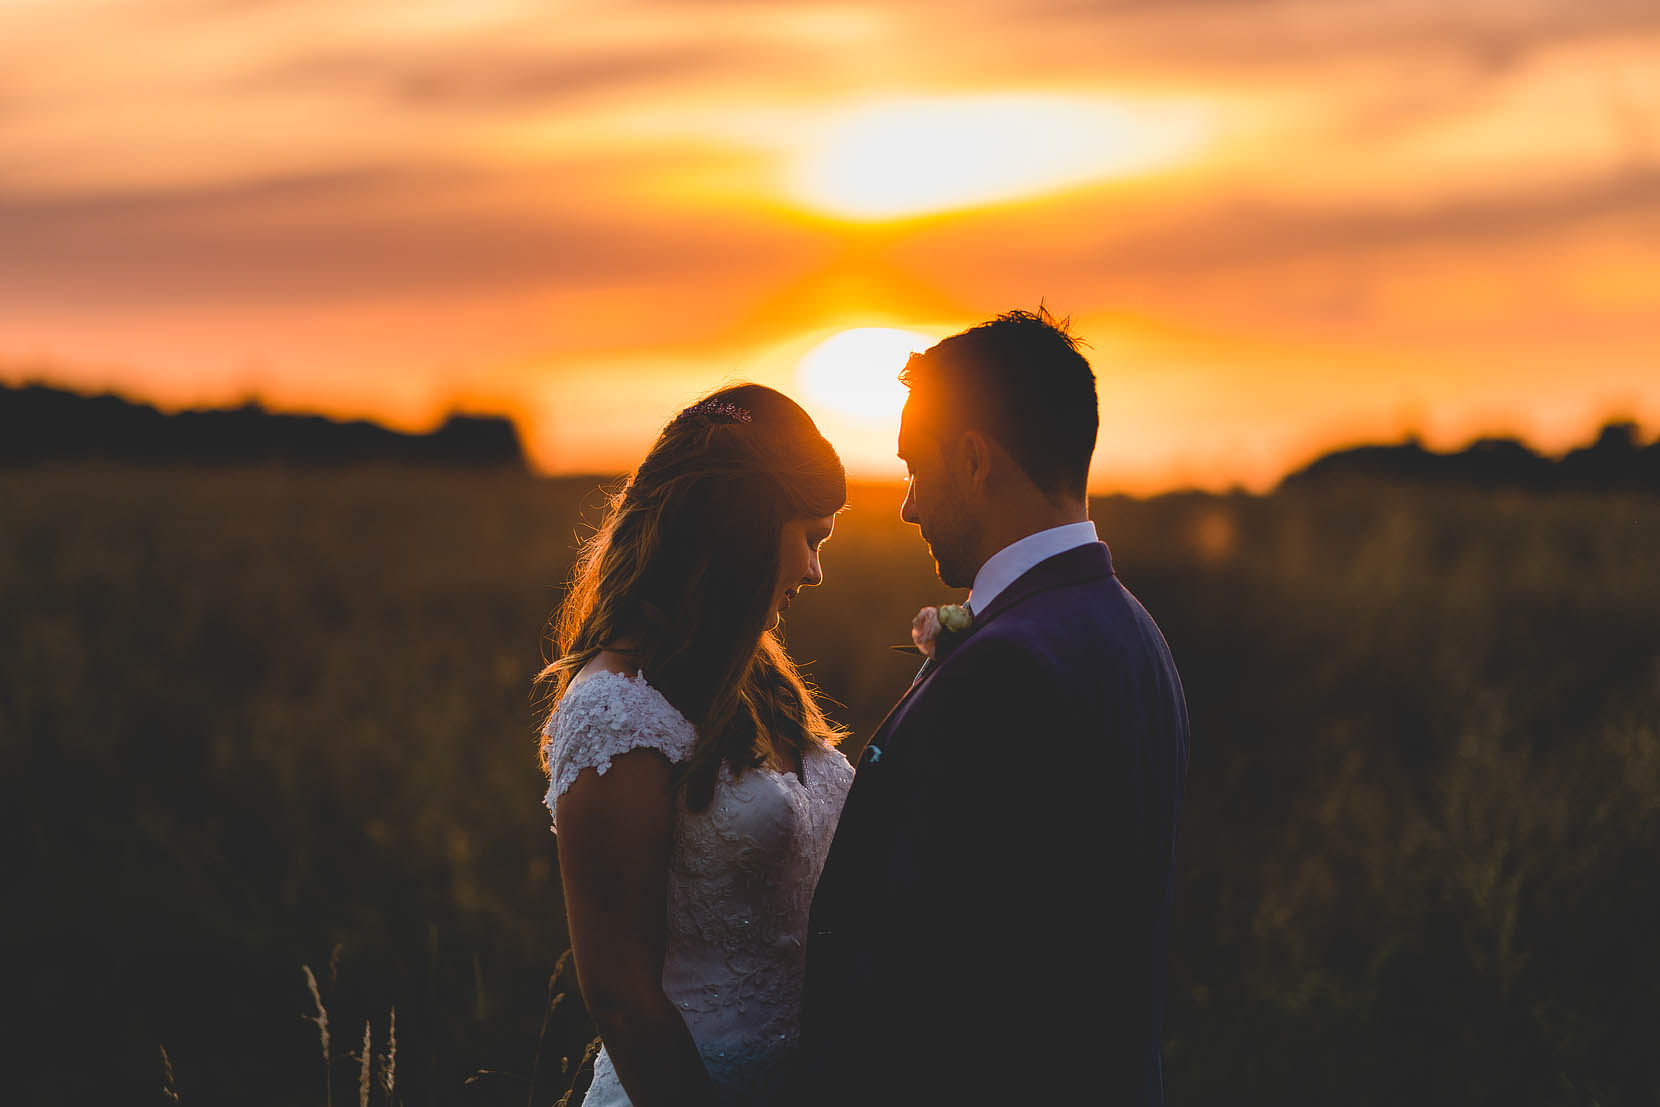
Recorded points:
366,1058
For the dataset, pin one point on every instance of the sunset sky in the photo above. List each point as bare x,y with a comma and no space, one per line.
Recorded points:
1281,225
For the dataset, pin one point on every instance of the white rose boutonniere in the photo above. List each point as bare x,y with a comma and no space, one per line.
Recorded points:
931,622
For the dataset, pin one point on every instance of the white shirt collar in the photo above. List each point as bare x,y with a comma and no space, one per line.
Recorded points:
1013,561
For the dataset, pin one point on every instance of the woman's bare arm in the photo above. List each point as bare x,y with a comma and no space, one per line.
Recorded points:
615,833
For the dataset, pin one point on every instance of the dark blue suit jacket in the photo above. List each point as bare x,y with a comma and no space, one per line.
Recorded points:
994,915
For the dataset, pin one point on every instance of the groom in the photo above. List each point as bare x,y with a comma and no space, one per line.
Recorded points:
994,915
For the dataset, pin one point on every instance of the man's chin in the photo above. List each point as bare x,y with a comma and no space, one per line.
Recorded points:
950,575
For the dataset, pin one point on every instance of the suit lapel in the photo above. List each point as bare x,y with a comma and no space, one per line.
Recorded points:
1088,562
880,735
1075,566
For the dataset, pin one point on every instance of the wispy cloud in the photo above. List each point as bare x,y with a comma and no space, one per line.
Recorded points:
365,233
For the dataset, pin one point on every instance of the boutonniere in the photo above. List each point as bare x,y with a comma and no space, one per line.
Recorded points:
931,622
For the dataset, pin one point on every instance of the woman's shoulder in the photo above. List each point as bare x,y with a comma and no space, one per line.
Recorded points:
611,707
608,677
829,761
608,710
611,690
619,662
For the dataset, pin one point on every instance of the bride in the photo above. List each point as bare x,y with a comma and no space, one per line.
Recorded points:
693,780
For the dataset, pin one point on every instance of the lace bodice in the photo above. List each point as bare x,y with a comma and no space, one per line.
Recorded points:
741,879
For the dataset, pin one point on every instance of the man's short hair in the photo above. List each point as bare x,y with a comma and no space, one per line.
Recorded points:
1021,380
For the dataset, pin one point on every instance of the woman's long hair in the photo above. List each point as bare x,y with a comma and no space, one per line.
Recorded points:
684,569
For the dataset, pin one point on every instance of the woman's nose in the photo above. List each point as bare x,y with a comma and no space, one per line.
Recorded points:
815,572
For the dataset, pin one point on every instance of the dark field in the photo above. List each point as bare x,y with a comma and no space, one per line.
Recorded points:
260,719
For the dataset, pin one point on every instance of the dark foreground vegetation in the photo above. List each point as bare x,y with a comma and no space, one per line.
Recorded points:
254,719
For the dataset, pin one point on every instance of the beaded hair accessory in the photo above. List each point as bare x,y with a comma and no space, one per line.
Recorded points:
718,409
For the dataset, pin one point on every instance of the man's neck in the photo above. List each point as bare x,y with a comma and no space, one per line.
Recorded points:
1026,520
1013,561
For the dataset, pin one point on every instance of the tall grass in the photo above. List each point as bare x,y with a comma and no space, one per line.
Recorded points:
321,1018
261,714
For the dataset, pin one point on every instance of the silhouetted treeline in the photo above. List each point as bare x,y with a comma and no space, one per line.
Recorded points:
39,424
1616,460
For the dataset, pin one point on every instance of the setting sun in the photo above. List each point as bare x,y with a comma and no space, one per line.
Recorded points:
856,373
913,157
584,224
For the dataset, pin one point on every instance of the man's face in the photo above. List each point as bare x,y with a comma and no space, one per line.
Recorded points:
934,502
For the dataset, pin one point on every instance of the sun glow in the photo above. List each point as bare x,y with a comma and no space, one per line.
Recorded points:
913,157
856,373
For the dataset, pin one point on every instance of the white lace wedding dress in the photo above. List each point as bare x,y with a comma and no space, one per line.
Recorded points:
741,880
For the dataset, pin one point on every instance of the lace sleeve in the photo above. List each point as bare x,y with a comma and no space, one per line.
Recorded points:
607,715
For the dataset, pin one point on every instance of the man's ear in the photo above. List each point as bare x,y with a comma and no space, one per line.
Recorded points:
976,458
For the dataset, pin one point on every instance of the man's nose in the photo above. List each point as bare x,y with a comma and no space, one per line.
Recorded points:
907,510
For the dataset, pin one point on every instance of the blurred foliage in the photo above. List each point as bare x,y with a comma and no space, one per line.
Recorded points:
258,718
